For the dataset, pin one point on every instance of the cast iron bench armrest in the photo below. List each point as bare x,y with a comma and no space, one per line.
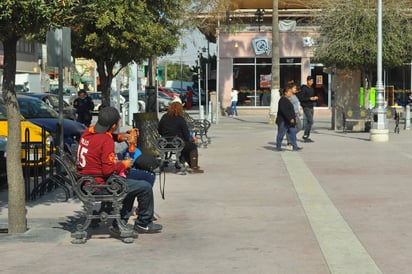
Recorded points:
199,127
110,195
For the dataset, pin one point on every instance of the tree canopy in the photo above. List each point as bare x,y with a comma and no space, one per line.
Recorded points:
122,31
348,34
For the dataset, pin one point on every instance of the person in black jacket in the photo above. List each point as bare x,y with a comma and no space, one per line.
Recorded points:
308,100
84,106
286,120
174,124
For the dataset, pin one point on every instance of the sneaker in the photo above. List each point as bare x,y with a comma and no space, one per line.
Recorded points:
289,146
115,229
308,140
297,148
149,229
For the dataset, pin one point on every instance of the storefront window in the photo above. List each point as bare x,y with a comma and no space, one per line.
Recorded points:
253,78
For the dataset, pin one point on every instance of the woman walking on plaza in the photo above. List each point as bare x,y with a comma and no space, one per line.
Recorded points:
286,120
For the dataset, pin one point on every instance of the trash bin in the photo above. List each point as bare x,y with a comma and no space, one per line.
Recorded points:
147,123
151,99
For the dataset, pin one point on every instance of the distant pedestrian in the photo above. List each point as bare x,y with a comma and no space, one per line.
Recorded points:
308,100
286,120
188,99
84,106
233,102
296,106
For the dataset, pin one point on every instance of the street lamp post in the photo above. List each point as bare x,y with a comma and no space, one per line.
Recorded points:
199,93
379,131
259,17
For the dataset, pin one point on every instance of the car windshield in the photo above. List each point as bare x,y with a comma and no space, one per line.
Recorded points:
54,101
36,109
3,113
95,95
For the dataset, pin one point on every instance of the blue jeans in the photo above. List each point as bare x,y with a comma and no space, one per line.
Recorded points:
298,127
233,108
142,190
139,174
282,130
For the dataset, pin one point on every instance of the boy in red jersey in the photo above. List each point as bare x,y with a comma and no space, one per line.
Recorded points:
96,156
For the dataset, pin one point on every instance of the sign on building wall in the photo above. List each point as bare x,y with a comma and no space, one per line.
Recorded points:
261,46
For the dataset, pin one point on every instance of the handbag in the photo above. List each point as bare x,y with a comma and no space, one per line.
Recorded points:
147,161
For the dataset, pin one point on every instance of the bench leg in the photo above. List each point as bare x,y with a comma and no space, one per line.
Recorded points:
79,237
108,211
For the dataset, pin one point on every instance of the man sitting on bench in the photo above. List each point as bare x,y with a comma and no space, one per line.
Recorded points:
96,156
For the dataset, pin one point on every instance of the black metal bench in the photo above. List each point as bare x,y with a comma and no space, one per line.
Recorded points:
200,128
170,150
109,196
150,141
111,193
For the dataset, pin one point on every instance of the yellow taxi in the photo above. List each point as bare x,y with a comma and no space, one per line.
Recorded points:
36,151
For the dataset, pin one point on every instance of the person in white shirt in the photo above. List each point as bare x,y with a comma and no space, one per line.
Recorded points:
233,105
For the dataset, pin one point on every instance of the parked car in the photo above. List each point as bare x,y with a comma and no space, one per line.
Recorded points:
195,98
173,91
168,92
35,138
69,111
69,93
97,100
41,114
163,101
141,99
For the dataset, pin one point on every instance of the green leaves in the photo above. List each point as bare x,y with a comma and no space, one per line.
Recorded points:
348,34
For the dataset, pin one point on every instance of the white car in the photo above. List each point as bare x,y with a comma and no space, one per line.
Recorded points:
97,100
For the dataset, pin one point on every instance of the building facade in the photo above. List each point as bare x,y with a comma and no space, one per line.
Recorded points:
244,39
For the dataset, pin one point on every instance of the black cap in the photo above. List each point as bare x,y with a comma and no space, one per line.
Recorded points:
107,117
310,78
82,91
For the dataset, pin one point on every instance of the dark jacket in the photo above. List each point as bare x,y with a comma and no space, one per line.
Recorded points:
286,112
83,105
171,126
304,96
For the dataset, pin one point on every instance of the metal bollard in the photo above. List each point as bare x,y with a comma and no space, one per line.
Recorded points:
408,117
209,113
201,113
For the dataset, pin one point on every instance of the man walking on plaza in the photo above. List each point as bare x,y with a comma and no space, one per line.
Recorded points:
307,101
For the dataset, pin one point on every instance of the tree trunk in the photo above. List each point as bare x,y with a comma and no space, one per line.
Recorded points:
152,71
274,95
16,198
105,71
